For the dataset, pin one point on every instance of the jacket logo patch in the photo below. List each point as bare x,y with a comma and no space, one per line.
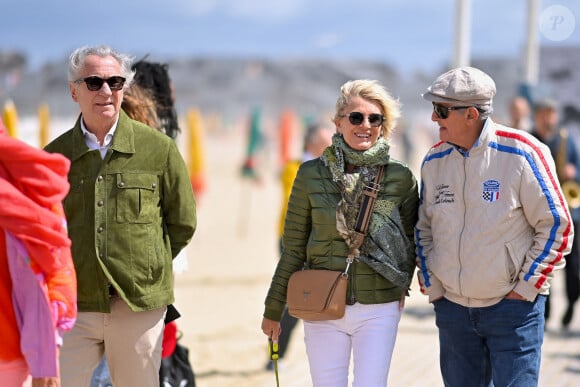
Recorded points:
443,194
490,190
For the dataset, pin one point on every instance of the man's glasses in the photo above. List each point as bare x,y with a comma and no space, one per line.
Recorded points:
95,83
357,118
443,111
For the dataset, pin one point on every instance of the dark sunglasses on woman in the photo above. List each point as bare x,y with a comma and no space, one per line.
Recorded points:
357,118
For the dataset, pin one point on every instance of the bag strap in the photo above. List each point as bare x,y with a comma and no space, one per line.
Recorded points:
370,193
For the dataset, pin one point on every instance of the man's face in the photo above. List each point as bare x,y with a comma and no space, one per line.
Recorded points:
453,128
99,108
546,120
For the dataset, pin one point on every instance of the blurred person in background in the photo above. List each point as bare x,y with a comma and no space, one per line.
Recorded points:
37,277
319,233
563,148
519,111
316,139
139,104
131,210
154,77
493,228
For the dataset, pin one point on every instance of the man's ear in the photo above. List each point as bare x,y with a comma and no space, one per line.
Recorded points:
472,113
73,91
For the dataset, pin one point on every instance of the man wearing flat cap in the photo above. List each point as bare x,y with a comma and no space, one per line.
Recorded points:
493,228
565,153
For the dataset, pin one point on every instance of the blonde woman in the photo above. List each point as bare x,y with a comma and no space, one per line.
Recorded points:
319,223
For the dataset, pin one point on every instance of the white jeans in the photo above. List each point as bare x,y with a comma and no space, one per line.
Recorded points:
369,331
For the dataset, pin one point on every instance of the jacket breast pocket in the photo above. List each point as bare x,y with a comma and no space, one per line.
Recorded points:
137,197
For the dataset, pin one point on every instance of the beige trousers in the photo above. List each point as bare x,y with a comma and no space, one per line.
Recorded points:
130,340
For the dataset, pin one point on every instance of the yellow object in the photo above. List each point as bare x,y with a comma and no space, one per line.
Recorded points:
570,188
273,349
196,151
287,179
10,118
44,125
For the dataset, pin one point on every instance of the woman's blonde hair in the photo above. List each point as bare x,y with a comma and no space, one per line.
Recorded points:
373,91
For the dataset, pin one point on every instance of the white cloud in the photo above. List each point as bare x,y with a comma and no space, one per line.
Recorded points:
326,40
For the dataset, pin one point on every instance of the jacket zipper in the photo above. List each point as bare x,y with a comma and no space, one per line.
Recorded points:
459,249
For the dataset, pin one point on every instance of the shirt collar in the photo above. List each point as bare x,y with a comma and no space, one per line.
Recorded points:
91,139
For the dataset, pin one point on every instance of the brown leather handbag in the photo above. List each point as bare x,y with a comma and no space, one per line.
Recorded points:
316,295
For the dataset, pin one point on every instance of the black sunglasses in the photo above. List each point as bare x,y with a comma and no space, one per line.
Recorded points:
357,118
95,83
443,111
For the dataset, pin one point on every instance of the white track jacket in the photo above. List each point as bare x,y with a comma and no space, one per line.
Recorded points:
491,220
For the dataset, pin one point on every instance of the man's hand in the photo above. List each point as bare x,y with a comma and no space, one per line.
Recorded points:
514,296
45,382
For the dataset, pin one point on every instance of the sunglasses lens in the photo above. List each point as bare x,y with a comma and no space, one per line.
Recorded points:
441,111
356,118
116,83
375,119
94,83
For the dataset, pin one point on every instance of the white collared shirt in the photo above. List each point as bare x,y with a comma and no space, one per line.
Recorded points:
92,141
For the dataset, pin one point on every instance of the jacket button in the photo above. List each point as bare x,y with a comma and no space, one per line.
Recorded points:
100,178
121,184
100,203
153,185
100,229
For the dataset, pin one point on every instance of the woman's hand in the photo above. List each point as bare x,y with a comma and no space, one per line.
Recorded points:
271,328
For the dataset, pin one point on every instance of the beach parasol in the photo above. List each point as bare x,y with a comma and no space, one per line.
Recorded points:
287,136
44,124
10,118
254,143
196,151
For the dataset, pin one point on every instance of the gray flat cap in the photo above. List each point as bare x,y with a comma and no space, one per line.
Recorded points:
462,85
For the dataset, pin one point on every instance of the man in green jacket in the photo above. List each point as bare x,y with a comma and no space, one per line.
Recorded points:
130,210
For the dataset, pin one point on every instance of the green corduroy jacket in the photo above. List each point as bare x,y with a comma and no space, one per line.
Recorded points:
310,234
128,215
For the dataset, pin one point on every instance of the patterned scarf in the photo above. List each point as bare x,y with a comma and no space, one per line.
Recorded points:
366,164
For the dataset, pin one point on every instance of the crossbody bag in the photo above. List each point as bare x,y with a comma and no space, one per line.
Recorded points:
321,294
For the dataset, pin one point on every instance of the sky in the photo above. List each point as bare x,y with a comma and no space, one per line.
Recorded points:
411,35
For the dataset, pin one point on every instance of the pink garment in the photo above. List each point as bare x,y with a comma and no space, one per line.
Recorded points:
33,184
15,374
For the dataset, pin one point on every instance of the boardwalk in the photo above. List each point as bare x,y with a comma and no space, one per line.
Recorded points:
230,263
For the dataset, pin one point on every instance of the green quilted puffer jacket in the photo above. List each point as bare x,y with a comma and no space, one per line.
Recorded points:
311,237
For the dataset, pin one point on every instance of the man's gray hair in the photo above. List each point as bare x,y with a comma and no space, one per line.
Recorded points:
485,111
78,57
